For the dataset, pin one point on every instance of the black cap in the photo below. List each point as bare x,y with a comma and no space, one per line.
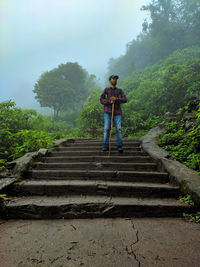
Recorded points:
114,77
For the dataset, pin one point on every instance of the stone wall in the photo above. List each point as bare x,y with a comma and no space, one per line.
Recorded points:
189,180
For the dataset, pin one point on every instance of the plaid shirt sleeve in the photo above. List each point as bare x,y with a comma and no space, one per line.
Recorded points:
103,99
123,98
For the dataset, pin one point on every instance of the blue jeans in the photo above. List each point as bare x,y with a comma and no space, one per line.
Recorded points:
107,126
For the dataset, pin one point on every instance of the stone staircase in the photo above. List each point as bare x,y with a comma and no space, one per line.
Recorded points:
79,180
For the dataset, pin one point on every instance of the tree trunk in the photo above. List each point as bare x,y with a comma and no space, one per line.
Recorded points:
56,112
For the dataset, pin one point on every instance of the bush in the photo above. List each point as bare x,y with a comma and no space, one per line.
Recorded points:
91,116
23,131
183,144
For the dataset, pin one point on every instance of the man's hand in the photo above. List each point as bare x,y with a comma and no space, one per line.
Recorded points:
112,99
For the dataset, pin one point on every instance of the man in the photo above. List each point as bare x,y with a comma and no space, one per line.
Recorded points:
111,95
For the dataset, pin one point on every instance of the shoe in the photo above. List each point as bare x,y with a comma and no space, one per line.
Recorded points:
105,149
120,149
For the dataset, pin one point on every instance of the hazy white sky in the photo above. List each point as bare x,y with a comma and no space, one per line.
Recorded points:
38,35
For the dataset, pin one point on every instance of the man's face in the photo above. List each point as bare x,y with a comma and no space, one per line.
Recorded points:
113,81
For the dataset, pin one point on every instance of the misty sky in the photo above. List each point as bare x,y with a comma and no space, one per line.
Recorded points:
38,35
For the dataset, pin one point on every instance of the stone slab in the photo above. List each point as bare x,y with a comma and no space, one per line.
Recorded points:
5,182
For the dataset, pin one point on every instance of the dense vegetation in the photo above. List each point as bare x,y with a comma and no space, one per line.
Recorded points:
182,138
23,131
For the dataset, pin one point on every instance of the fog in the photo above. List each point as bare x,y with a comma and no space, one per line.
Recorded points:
37,36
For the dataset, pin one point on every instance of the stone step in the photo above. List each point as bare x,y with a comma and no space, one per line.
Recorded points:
100,144
61,187
44,207
144,159
110,175
113,139
99,166
101,141
93,148
97,153
79,180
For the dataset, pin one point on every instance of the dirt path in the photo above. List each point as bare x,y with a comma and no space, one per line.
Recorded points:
99,243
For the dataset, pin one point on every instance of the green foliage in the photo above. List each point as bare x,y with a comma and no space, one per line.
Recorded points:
183,144
24,131
3,196
2,162
29,140
91,116
192,217
163,87
6,144
195,217
14,145
44,122
15,118
186,199
77,132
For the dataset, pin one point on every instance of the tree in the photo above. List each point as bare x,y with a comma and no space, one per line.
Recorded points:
165,26
76,75
64,88
53,91
189,11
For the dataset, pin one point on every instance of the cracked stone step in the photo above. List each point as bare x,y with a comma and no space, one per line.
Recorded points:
92,148
60,187
133,176
99,166
126,159
95,153
44,207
